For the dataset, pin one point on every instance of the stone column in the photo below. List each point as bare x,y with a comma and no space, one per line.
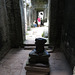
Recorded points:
30,17
34,15
45,13
53,8
25,13
27,16
49,20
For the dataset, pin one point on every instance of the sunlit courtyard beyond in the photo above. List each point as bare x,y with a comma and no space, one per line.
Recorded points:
37,32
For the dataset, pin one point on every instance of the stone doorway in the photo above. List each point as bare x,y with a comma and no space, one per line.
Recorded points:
31,12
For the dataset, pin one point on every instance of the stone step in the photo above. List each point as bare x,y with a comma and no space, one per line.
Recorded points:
33,47
37,69
33,44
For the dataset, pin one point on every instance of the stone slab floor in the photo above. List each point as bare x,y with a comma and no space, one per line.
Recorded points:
13,63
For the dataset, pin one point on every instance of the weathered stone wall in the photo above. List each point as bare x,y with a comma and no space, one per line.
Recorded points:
62,27
22,12
4,30
68,31
10,26
14,17
55,24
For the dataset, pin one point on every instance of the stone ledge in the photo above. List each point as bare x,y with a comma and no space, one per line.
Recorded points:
37,69
35,73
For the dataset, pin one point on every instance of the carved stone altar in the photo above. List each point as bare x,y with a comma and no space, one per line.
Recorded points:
38,63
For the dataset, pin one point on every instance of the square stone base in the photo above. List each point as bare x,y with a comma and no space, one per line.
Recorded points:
33,70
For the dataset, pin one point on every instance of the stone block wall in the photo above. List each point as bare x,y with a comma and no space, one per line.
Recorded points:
15,24
62,27
68,31
52,31
56,21
4,30
10,26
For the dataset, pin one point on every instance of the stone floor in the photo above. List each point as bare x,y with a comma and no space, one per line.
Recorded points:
13,63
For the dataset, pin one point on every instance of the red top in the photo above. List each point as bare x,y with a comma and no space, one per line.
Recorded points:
39,19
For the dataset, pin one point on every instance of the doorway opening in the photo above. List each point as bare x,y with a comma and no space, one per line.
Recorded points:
33,10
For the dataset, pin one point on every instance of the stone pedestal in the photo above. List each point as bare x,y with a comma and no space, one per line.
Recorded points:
37,69
38,62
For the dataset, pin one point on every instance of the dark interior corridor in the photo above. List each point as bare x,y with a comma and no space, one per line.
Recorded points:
61,22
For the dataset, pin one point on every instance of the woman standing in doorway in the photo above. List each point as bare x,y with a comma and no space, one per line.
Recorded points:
39,21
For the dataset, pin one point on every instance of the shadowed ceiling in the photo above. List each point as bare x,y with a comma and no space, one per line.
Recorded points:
39,4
